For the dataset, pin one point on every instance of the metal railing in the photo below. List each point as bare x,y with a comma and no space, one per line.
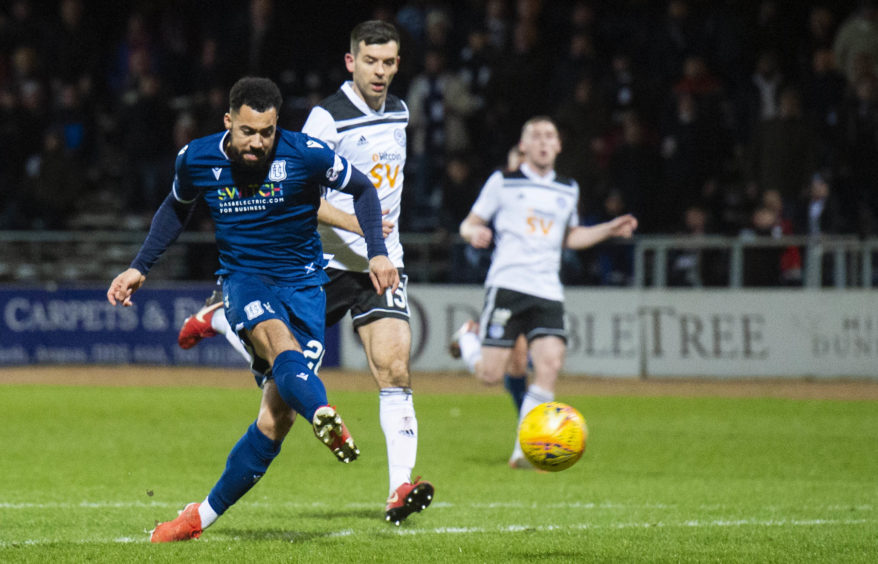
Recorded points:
851,261
68,256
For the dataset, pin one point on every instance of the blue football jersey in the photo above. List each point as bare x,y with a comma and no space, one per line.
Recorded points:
265,225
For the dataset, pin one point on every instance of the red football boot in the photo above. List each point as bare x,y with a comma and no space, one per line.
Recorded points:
408,498
331,430
186,526
197,327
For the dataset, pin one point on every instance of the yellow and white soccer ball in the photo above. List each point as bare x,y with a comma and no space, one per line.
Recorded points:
553,436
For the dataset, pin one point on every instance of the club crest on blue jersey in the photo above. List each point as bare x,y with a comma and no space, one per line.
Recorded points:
278,171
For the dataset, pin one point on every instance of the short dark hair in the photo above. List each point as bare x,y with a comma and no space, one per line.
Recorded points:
373,32
261,94
538,119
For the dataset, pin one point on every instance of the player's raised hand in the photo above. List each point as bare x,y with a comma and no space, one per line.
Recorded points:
481,237
623,226
124,285
383,274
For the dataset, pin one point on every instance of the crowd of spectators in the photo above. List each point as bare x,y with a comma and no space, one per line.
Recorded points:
698,116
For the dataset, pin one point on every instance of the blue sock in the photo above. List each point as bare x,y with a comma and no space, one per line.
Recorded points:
517,388
246,464
297,384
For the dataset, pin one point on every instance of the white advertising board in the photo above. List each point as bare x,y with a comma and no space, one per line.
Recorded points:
673,333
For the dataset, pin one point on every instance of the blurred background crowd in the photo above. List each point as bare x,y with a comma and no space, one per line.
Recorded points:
698,116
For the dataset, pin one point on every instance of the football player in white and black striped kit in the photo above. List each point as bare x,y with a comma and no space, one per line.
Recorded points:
365,124
530,215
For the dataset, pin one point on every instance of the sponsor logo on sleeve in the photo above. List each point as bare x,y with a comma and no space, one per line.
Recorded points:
335,169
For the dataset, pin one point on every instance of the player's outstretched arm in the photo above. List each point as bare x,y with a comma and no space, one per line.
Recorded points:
124,285
582,237
334,217
476,232
167,223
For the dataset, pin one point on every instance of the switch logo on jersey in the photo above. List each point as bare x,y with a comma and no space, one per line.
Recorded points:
255,197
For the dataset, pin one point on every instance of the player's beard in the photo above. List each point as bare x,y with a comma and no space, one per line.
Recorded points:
238,160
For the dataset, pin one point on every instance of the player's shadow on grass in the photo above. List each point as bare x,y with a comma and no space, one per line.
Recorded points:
330,514
273,535
298,536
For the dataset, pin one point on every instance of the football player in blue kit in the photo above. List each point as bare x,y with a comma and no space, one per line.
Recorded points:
366,125
263,186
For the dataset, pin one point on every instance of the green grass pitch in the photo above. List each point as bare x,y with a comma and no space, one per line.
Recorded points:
86,472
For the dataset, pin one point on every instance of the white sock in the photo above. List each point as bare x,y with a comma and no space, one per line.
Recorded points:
207,514
400,426
470,350
535,396
220,324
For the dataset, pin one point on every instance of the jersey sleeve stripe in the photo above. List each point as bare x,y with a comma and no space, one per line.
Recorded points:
369,123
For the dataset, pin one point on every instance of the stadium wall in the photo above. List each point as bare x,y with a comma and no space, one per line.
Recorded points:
76,325
620,333
675,333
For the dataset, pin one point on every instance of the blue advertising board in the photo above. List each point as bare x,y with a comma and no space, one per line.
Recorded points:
76,325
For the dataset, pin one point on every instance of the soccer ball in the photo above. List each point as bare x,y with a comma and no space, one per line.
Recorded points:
553,436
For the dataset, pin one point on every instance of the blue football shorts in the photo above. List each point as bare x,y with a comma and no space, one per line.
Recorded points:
252,299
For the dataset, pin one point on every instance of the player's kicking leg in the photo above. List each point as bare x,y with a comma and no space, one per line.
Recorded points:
198,326
247,462
283,395
207,322
387,342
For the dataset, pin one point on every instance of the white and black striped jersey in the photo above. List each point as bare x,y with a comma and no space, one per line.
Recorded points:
530,216
375,143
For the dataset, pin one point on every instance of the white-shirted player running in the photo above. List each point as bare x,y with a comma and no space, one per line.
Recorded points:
533,214
364,123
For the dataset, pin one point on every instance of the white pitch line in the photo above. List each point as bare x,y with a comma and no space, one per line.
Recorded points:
437,504
319,504
512,529
640,525
86,505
